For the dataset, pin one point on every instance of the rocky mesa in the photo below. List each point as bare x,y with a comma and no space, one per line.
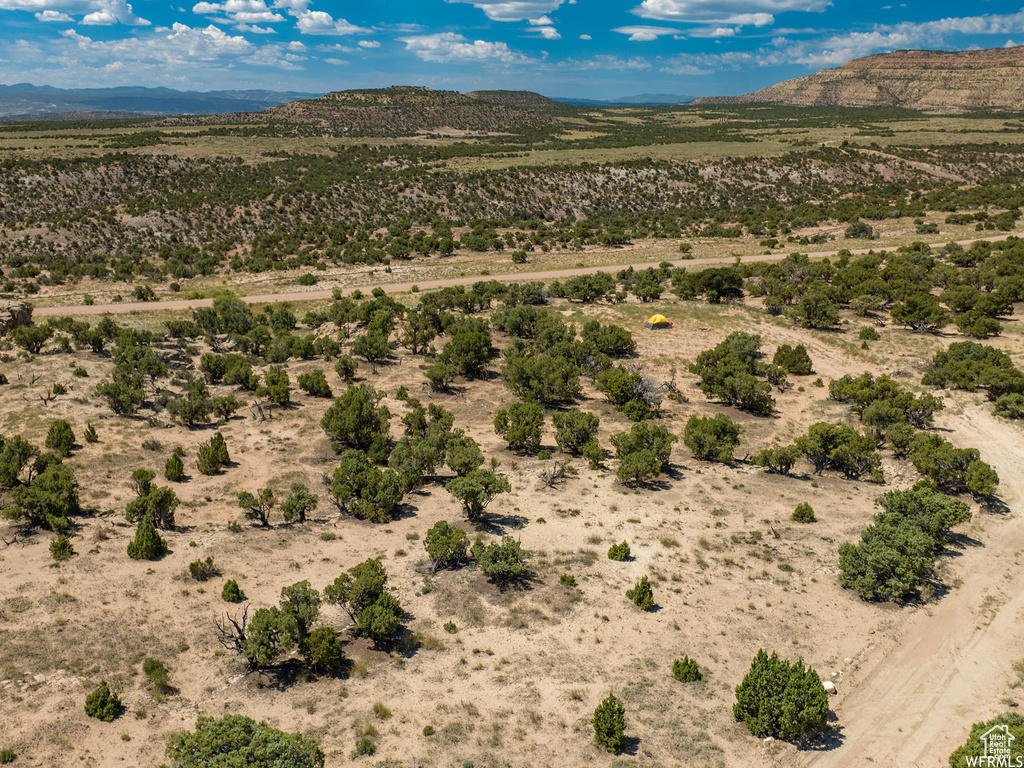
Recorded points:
925,80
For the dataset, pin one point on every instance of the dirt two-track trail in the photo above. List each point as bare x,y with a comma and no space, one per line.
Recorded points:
953,662
430,285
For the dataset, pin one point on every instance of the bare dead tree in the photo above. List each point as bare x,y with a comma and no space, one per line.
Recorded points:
256,410
559,471
231,631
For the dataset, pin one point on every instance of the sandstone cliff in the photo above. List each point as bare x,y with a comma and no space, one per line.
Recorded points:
925,80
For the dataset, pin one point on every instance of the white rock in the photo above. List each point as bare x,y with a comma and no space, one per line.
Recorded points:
829,687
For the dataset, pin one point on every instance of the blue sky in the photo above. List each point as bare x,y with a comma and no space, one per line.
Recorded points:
585,48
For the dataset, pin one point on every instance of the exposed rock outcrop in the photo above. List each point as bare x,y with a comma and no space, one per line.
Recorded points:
14,314
924,80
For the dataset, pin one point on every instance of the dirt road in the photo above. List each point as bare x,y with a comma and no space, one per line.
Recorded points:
427,285
950,668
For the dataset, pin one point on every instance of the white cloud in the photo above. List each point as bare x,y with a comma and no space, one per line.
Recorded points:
95,11
294,7
751,19
53,16
513,10
549,33
608,62
543,21
322,23
839,49
445,47
724,11
714,32
586,37
253,29
642,34
100,18
369,44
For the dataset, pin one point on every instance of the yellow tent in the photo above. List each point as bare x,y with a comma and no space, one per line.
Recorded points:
658,321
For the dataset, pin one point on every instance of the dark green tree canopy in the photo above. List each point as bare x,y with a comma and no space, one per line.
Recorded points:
236,741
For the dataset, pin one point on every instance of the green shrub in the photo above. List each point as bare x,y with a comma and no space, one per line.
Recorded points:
147,544
365,746
476,489
793,360
450,628
610,725
730,373
213,455
428,730
520,426
567,580
232,593
643,452
323,651
868,334
502,563
90,434
60,439
1010,406
803,513
780,699
61,549
174,469
574,430
642,594
102,703
158,677
315,384
973,751
685,670
446,545
619,551
712,438
7,755
236,740
897,552
203,570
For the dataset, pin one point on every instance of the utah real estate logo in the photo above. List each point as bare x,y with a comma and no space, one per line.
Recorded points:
998,742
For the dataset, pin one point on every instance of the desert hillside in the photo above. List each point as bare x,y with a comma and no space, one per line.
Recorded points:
989,79
405,108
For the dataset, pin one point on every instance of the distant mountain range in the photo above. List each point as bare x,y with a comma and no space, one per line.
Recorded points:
925,80
43,100
640,100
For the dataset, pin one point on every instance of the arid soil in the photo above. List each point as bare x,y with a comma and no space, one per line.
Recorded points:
517,682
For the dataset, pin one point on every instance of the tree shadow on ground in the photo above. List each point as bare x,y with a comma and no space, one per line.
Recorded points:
499,524
829,741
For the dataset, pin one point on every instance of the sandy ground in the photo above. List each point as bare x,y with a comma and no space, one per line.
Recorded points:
429,285
518,681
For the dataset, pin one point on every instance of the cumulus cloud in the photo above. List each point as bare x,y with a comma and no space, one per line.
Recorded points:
369,44
244,14
322,23
450,47
608,62
839,49
514,10
548,33
725,11
53,16
95,11
641,34
586,37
